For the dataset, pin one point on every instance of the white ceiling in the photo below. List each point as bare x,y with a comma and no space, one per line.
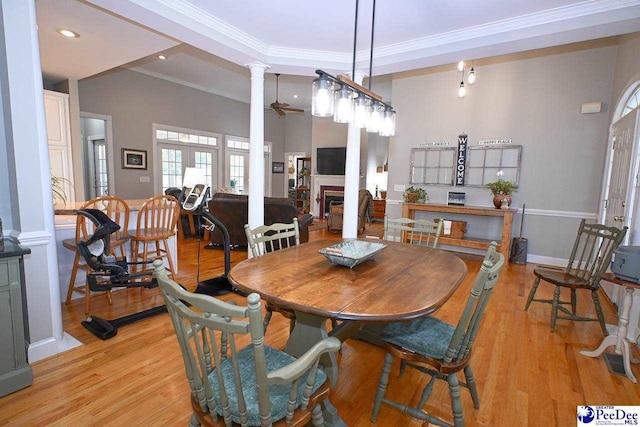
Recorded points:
208,42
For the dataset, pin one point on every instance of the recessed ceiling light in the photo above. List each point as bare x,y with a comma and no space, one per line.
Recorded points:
162,57
295,96
69,33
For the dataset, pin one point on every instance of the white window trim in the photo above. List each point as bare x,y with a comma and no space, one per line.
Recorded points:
157,174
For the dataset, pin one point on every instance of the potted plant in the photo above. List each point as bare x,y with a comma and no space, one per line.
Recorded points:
415,195
501,191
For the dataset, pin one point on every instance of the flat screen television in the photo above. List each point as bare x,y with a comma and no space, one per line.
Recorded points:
331,161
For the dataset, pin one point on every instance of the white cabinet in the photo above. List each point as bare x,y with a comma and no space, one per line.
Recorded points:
56,106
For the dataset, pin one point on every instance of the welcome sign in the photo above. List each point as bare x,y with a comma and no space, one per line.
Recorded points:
461,159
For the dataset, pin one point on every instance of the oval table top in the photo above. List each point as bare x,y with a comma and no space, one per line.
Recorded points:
70,208
401,282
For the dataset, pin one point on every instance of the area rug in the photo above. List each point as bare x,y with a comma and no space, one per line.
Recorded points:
317,226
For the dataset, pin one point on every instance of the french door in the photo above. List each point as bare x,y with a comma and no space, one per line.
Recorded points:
98,167
175,158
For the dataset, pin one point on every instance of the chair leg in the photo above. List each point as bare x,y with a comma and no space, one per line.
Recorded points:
72,280
382,386
596,302
554,309
456,405
167,252
471,385
267,320
134,255
316,416
534,288
87,298
574,300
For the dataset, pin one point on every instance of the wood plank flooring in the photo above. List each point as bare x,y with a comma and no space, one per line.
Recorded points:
526,375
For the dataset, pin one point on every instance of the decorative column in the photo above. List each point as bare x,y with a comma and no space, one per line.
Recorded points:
27,158
352,177
256,147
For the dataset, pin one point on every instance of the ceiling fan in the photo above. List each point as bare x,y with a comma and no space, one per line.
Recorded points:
281,107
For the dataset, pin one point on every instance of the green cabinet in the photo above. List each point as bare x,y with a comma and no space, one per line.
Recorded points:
15,372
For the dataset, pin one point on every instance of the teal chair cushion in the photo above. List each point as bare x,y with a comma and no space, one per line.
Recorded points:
279,394
427,336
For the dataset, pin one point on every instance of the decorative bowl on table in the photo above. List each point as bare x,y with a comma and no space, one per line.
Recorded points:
352,252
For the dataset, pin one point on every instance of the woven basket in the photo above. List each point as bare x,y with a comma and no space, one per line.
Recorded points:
458,228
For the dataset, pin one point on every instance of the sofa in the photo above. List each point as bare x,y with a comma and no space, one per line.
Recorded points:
365,212
233,211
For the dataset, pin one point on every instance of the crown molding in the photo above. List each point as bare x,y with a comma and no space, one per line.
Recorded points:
580,16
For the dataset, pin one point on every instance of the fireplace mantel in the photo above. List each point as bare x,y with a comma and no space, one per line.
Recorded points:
318,181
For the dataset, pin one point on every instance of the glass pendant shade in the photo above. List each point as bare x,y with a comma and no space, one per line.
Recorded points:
388,126
322,97
376,111
462,91
472,76
344,103
361,113
460,65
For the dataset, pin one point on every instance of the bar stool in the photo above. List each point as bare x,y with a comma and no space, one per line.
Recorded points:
118,211
157,221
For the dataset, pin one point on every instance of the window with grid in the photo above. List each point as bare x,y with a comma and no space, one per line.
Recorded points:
101,170
632,102
236,171
171,168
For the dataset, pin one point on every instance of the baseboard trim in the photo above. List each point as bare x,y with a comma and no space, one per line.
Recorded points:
48,347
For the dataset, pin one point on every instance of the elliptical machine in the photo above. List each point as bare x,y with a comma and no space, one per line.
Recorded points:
195,201
109,272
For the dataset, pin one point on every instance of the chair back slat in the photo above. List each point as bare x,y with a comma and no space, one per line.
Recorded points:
158,216
462,340
413,231
592,251
270,238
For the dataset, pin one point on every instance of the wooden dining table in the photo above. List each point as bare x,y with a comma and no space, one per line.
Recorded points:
401,282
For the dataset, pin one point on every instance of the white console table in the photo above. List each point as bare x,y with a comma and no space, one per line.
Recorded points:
619,340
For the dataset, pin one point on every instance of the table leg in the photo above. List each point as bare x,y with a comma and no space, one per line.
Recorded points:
308,331
620,338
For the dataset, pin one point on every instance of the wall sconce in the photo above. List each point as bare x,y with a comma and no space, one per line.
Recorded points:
386,166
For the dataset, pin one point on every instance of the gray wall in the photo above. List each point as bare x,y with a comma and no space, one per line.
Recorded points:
298,132
627,66
534,98
136,101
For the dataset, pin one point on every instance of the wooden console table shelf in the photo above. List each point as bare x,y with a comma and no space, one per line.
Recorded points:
409,211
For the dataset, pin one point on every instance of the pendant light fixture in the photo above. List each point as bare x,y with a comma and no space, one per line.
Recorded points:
471,78
349,102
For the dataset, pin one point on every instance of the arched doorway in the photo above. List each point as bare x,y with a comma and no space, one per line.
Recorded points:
621,184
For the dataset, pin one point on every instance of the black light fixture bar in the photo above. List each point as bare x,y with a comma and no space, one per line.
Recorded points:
361,90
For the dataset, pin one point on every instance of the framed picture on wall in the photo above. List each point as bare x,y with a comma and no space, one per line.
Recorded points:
134,159
277,167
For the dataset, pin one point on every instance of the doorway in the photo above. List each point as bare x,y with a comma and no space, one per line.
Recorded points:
97,155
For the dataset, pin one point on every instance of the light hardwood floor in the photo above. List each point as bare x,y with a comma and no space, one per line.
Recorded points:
526,375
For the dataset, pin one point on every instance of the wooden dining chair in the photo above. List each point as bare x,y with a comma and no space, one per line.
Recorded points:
234,377
269,238
438,349
118,211
156,223
589,259
414,231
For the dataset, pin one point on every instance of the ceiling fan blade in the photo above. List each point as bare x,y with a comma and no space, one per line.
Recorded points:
279,111
295,110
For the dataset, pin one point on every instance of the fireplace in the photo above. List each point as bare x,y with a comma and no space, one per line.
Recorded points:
328,194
